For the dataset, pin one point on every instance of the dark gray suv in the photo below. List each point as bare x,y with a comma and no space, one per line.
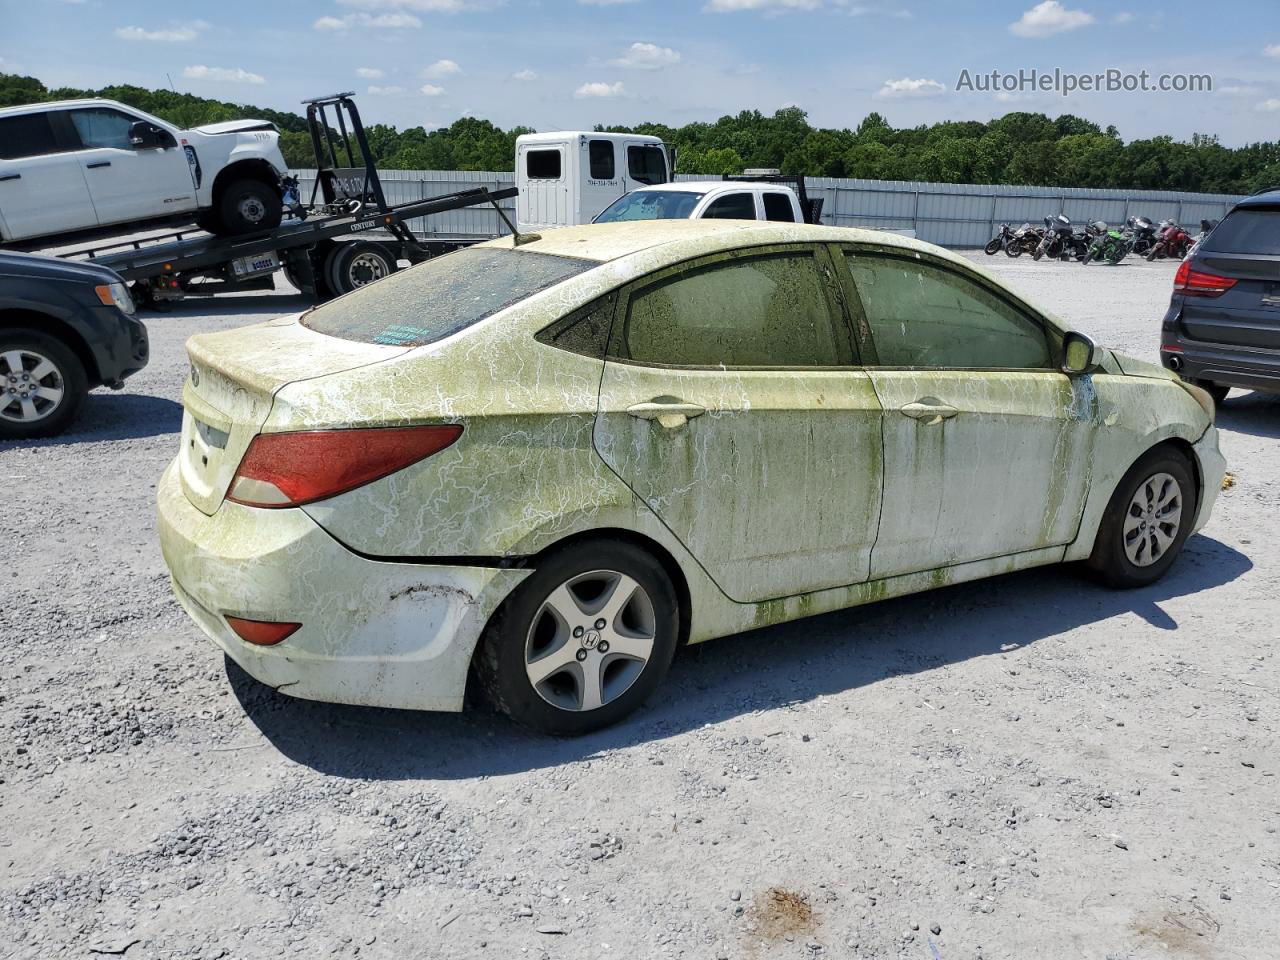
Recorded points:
1223,325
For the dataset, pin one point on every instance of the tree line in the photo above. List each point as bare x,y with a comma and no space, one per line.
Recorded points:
1017,148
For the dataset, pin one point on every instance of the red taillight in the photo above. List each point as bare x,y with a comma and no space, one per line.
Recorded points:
1196,283
290,469
262,633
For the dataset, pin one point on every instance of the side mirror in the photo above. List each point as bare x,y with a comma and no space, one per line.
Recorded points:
147,136
1078,354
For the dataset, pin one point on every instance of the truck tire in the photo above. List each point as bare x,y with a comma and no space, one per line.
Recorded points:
42,384
358,264
247,206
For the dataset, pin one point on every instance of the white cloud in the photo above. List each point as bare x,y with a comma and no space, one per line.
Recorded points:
175,33
1237,89
1047,18
525,75
1271,50
906,87
647,56
223,74
370,73
1124,16
431,90
381,21
387,91
732,6
598,88
441,68
1270,106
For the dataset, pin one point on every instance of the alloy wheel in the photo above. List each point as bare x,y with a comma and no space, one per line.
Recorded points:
1153,519
590,640
31,386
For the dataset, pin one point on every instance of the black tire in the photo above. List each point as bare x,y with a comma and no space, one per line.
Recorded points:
1013,248
357,264
34,350
992,247
1218,391
1087,258
519,628
1110,559
247,206
1153,253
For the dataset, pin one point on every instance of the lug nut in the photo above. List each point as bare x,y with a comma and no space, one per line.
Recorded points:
603,647
600,624
581,655
577,633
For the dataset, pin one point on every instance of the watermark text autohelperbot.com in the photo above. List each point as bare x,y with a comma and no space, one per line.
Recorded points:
1065,84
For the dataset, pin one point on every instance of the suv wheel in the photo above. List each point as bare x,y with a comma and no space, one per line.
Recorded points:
583,641
247,206
42,384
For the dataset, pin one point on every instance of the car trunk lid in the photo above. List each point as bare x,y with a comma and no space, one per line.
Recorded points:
235,376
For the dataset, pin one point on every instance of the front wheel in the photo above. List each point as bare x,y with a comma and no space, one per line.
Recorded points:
583,641
42,384
247,206
1147,521
1013,248
1088,257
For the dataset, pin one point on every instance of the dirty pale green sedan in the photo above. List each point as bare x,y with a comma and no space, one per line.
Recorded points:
546,466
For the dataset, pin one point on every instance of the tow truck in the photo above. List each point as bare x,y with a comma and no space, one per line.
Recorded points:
344,237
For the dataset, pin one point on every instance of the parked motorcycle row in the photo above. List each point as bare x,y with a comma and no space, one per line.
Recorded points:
1097,242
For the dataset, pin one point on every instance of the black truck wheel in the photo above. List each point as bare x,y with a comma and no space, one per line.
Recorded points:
247,206
42,384
358,264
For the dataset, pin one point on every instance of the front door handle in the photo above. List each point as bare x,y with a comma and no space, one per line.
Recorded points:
100,163
929,410
670,412
11,176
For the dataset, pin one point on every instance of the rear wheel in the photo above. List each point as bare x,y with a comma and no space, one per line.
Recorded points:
1218,391
583,641
992,247
1147,521
247,206
358,264
42,384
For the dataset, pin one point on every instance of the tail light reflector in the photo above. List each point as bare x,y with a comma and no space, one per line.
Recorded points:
1196,283
291,469
262,633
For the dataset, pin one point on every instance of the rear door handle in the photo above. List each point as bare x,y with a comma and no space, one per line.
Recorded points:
670,412
929,410
11,176
100,163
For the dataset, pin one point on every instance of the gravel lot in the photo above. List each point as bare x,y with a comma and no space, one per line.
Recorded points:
1028,767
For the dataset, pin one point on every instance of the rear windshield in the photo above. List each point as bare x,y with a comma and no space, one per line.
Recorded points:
1247,230
651,205
438,298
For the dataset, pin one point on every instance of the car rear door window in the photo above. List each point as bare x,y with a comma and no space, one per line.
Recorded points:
765,310
542,164
26,135
438,298
1253,230
926,316
600,157
102,127
732,206
777,207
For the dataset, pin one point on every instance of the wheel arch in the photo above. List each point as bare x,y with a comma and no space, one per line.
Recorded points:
252,168
26,319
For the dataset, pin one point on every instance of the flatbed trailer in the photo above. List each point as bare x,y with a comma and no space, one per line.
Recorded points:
346,236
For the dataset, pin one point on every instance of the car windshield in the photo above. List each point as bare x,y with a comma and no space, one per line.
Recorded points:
1247,230
438,298
651,205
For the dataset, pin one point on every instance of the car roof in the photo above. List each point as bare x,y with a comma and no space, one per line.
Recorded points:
1264,198
559,136
671,241
709,186
61,104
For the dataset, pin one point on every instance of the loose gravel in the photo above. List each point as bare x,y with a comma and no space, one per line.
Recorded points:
1029,767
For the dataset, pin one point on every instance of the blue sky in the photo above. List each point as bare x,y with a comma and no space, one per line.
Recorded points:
571,63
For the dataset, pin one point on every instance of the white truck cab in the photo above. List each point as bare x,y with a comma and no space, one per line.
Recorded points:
709,200
83,166
566,179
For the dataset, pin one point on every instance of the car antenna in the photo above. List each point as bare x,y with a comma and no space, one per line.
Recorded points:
517,238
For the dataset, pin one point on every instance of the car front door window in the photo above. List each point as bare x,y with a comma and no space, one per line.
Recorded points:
100,127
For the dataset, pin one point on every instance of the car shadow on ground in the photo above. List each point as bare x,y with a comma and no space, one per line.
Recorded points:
760,670
279,304
1257,414
113,416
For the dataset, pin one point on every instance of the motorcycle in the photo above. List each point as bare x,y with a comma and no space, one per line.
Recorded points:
1206,227
1144,234
1077,245
1025,239
1053,241
1108,244
999,242
1173,242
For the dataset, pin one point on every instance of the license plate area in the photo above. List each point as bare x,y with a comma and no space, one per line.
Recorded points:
244,267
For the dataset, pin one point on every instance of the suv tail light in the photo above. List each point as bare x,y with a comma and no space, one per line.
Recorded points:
1195,283
290,469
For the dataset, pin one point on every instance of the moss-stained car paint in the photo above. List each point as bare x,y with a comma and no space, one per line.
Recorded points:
763,523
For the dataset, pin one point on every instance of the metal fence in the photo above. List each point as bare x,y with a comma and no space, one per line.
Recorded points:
950,214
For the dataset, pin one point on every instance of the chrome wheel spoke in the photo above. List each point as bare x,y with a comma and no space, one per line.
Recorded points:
1153,520
12,361
42,369
591,684
549,664
28,409
615,600
52,394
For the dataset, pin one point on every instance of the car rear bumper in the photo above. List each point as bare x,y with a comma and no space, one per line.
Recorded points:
373,633
1249,368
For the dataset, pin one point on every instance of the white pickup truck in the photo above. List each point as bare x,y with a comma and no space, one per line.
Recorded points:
79,167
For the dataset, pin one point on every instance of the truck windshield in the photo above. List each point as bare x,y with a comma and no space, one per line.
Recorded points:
651,205
438,298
